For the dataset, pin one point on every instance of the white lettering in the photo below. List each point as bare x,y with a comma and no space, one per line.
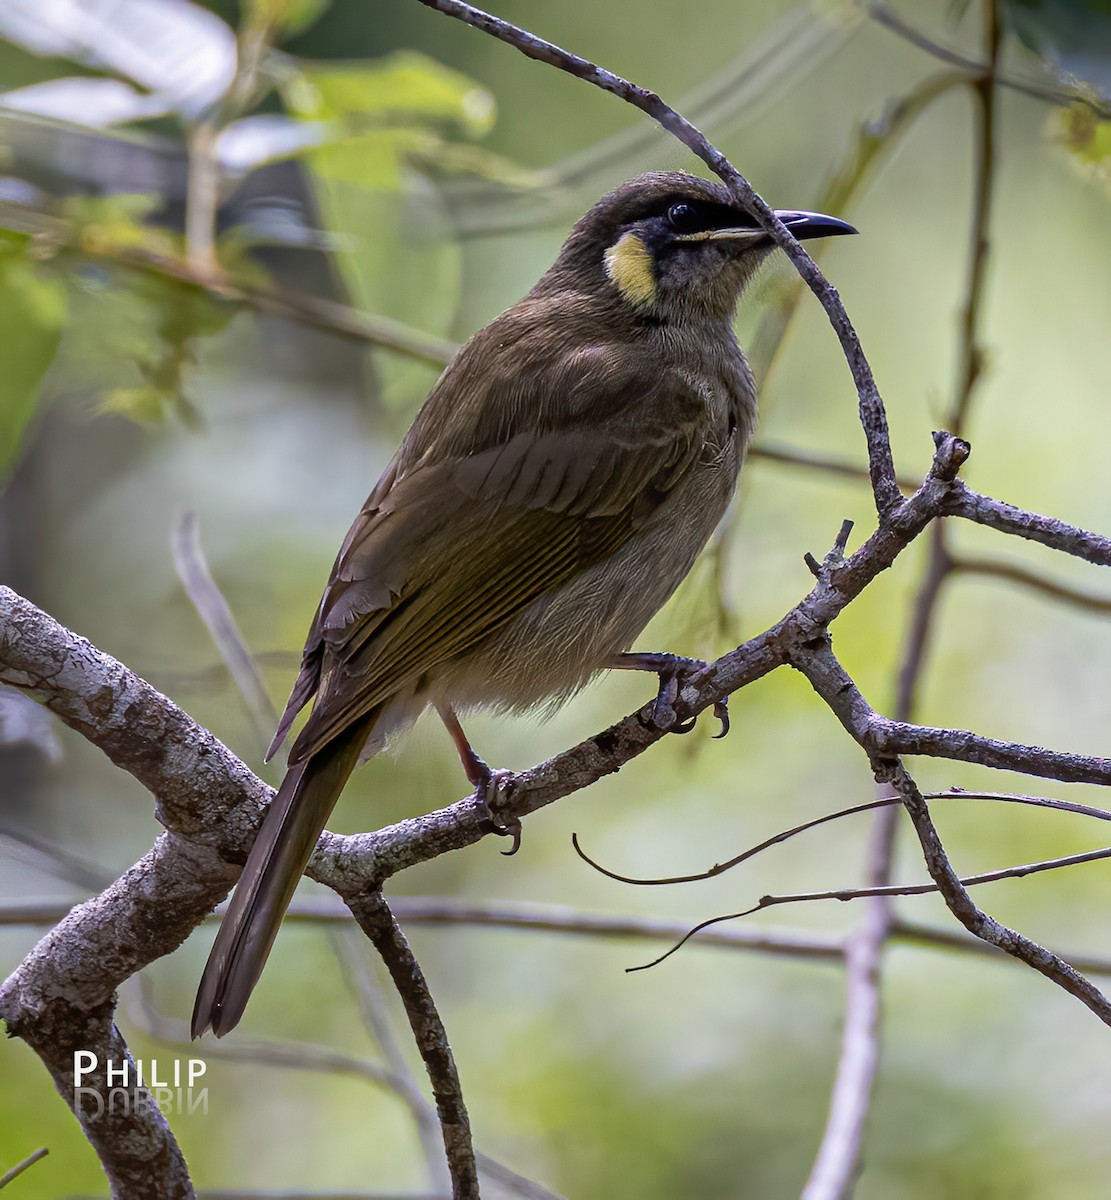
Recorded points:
84,1061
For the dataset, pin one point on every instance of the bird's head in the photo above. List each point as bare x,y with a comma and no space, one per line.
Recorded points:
673,247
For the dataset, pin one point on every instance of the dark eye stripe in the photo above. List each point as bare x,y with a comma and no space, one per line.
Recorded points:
686,216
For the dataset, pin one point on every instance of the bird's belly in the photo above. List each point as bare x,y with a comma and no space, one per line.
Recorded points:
553,647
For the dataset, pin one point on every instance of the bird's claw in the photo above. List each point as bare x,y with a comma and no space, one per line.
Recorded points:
663,708
488,791
676,672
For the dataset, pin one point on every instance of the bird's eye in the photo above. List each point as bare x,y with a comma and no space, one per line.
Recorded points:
683,218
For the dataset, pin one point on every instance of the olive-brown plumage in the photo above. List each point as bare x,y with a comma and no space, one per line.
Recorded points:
555,488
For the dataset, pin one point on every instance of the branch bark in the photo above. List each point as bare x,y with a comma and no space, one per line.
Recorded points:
377,922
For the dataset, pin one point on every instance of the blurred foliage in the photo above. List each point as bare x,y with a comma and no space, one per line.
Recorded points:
388,160
32,312
1072,36
1089,141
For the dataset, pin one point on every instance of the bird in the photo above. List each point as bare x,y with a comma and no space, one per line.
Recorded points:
557,484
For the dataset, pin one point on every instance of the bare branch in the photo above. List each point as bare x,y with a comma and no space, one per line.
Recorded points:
1011,572
378,923
981,924
215,612
328,316
20,1167
791,456
837,1160
132,1138
915,934
895,737
351,949
833,684
1049,531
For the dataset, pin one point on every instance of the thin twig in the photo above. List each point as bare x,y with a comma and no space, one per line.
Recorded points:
921,625
830,680
883,803
14,1172
886,16
995,569
998,941
204,182
871,409
792,456
206,597
979,923
202,199
984,89
313,312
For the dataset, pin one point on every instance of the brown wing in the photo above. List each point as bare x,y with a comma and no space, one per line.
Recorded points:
458,538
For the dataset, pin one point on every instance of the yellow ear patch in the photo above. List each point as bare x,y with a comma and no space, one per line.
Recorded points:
629,265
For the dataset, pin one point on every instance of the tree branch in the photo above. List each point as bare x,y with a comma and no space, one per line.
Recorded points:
830,680
210,802
872,415
991,568
1048,531
378,923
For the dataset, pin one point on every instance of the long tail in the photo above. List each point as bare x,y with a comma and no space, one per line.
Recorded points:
278,858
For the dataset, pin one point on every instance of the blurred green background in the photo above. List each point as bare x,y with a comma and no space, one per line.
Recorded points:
431,177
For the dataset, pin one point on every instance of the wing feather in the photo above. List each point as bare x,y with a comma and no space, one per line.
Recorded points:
420,579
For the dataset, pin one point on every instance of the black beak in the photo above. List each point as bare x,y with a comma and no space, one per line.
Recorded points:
813,225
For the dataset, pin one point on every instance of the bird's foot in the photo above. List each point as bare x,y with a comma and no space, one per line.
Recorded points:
491,787
675,673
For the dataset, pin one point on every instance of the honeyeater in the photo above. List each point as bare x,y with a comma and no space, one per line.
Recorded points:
555,488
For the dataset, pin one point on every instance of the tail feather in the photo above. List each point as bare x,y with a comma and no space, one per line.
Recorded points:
278,858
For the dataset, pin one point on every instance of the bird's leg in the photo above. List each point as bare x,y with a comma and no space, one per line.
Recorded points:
674,670
485,779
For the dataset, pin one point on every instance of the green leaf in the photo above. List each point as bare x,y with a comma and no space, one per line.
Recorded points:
287,17
32,313
405,85
183,315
